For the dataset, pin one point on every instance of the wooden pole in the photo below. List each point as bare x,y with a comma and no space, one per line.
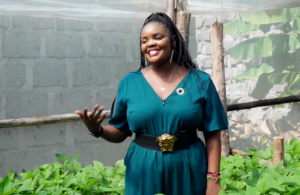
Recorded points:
43,120
268,102
278,150
61,118
183,23
183,18
218,76
171,9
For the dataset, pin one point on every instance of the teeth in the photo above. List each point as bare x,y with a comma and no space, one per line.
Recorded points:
152,52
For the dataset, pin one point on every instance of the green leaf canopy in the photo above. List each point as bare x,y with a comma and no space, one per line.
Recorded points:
264,46
271,16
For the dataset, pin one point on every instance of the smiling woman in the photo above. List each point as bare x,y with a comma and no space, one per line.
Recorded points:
164,103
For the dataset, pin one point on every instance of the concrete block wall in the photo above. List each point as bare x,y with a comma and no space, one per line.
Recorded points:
55,66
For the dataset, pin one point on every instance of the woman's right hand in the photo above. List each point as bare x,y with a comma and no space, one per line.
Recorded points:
92,120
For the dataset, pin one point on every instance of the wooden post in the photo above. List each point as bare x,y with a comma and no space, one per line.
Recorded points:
183,24
171,9
278,150
183,18
218,75
43,120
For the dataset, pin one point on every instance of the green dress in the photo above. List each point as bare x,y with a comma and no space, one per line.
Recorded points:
138,107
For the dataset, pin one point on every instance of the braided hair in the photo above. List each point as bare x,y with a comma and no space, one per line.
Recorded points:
181,55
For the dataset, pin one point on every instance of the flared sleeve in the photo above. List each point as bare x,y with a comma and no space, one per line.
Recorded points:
214,117
118,116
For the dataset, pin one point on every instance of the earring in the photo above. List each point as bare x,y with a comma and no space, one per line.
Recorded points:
172,56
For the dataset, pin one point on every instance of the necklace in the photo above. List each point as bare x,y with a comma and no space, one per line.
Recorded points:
162,86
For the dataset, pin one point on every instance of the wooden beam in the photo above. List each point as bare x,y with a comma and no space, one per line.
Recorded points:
43,120
218,76
260,103
171,9
61,118
183,24
278,150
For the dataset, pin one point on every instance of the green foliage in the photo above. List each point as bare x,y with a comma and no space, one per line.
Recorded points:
68,178
243,176
249,177
264,46
274,50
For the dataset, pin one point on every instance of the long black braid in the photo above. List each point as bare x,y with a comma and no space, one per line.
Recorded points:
181,54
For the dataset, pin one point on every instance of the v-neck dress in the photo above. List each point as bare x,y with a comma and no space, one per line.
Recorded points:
138,108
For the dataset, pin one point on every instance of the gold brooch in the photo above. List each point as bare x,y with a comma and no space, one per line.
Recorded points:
180,91
166,142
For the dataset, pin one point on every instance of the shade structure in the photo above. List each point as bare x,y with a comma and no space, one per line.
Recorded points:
128,9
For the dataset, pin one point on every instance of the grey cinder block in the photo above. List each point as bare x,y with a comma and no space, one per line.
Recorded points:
50,73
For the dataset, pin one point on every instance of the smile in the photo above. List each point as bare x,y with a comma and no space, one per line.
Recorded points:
153,52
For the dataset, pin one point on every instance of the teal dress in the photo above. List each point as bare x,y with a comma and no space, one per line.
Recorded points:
138,107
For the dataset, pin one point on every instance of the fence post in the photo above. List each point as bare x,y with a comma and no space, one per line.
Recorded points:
278,150
218,76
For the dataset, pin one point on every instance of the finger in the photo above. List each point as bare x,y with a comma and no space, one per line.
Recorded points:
102,117
99,112
85,116
94,111
79,113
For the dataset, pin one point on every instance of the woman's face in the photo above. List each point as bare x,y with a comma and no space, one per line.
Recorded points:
156,43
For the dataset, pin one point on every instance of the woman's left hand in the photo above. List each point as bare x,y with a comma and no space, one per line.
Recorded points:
213,187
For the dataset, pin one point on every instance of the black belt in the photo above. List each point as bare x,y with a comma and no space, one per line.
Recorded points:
166,142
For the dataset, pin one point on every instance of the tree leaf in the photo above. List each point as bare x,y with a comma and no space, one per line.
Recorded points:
296,25
295,86
294,192
115,182
108,172
289,184
292,141
230,187
238,26
10,192
62,157
296,147
11,174
77,165
254,72
121,168
57,165
255,174
35,180
249,162
47,171
25,188
251,191
269,16
98,166
285,77
264,46
76,157
262,184
262,88
5,185
68,180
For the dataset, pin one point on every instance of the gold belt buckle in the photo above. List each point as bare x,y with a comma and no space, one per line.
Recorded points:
166,142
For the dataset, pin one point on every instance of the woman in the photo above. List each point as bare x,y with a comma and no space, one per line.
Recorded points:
163,103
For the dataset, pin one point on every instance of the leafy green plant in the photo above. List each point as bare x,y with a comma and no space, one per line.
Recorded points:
240,176
68,178
275,51
252,176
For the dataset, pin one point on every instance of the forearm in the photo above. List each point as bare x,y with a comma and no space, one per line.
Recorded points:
112,134
213,148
